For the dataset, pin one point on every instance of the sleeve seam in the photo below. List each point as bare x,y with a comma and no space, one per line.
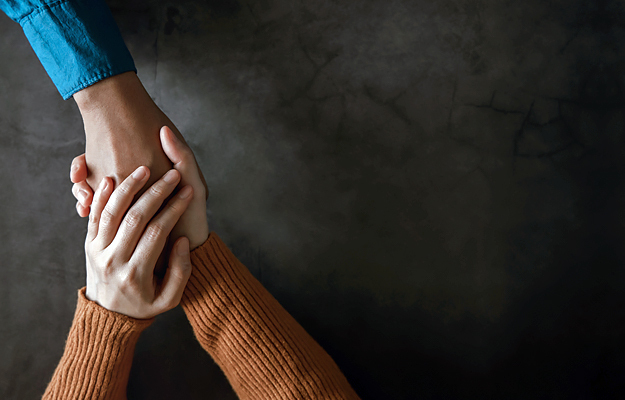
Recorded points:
40,9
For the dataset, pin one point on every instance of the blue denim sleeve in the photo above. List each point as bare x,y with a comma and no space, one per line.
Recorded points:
77,41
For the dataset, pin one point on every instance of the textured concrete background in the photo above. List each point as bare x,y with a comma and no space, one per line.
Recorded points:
434,189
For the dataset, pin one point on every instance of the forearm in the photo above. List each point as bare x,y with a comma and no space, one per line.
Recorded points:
260,347
98,354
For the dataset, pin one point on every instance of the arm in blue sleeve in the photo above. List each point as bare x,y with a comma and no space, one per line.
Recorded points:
77,41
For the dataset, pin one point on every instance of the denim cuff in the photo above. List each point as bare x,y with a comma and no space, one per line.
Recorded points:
78,43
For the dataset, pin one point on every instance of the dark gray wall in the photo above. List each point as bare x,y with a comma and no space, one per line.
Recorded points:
434,189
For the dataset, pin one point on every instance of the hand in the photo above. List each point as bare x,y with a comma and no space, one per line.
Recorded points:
122,246
121,129
193,223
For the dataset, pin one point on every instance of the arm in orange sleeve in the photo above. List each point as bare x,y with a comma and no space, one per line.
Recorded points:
98,354
263,351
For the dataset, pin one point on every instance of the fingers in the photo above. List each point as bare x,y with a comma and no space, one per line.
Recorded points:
183,159
154,237
142,211
82,210
83,193
81,190
117,205
101,197
78,171
176,277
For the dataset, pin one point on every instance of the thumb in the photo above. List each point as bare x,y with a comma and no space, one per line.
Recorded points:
173,147
176,276
181,155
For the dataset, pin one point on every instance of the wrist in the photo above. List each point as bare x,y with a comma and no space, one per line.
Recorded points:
108,92
120,107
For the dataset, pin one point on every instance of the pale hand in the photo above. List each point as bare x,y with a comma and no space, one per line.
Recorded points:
123,245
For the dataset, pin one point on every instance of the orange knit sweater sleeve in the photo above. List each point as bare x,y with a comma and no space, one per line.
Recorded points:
263,351
98,354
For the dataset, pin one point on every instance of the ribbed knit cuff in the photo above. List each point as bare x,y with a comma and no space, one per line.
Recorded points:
98,354
262,350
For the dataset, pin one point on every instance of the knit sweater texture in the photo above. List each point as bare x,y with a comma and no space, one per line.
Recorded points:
262,350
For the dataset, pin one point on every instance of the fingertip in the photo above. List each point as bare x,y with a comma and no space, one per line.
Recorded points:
141,173
167,132
78,170
172,145
166,135
82,210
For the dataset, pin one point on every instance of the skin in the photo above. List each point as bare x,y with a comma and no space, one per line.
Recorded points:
193,223
122,125
123,245
124,240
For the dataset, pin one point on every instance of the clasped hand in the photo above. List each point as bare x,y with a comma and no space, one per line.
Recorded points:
125,240
122,250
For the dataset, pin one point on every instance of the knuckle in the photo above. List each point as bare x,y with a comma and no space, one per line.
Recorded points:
105,268
124,189
157,191
176,207
187,155
107,216
179,275
129,281
154,231
105,271
134,219
93,219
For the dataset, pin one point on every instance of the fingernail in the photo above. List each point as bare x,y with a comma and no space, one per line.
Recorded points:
171,176
171,133
74,167
139,173
83,194
186,192
183,247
